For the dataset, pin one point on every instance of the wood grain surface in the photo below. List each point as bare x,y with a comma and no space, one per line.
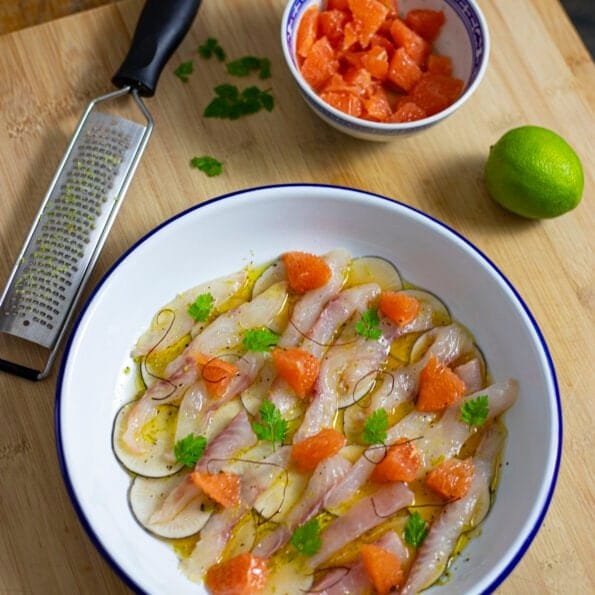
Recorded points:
539,73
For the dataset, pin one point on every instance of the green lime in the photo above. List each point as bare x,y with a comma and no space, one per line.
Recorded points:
535,173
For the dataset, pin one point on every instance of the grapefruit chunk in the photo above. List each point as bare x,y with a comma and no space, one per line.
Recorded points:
435,92
403,71
307,31
417,47
368,16
426,23
320,63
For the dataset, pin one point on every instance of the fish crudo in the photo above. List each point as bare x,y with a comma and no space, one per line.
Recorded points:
315,425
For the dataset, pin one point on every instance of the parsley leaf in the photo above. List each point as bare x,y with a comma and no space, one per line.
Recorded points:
201,308
211,48
376,426
306,538
259,339
208,165
184,70
273,427
244,66
188,450
231,104
368,325
475,411
416,530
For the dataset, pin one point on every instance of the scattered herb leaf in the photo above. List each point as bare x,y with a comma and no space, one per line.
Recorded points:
368,325
306,538
208,165
188,450
416,530
231,104
260,339
184,70
210,48
273,427
244,66
376,426
201,308
475,411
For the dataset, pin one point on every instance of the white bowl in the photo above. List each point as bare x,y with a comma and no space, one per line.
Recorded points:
464,37
224,235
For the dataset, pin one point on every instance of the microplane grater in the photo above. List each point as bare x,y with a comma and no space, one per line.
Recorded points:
86,193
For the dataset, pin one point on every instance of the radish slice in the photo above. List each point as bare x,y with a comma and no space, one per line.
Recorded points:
373,269
440,313
274,273
158,460
146,495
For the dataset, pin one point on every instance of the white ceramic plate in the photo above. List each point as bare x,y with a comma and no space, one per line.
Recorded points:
256,225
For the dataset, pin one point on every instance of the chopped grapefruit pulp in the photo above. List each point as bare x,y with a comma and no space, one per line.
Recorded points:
365,60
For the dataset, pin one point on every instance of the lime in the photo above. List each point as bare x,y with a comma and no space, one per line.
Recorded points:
534,172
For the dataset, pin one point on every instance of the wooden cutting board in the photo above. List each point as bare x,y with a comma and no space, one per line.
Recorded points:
539,73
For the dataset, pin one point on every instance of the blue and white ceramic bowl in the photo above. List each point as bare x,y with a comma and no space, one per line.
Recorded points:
464,37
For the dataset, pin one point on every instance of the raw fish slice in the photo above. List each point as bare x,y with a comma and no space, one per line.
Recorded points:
143,409
354,579
159,438
172,321
190,410
354,479
336,313
226,332
197,409
444,440
368,359
449,343
456,517
310,305
362,516
237,436
324,477
471,373
324,405
216,533
434,441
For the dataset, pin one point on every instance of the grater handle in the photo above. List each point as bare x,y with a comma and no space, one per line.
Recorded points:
160,29
20,370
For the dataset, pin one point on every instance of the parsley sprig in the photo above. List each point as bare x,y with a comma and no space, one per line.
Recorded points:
201,309
208,165
244,66
416,530
188,450
211,48
272,427
184,70
306,538
368,325
376,426
475,411
260,339
231,104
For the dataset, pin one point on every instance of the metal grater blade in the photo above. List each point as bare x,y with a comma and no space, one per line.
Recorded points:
70,229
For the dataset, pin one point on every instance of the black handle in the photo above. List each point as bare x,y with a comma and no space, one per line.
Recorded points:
19,370
160,29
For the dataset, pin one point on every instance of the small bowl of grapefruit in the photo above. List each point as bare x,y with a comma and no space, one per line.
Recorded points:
377,69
